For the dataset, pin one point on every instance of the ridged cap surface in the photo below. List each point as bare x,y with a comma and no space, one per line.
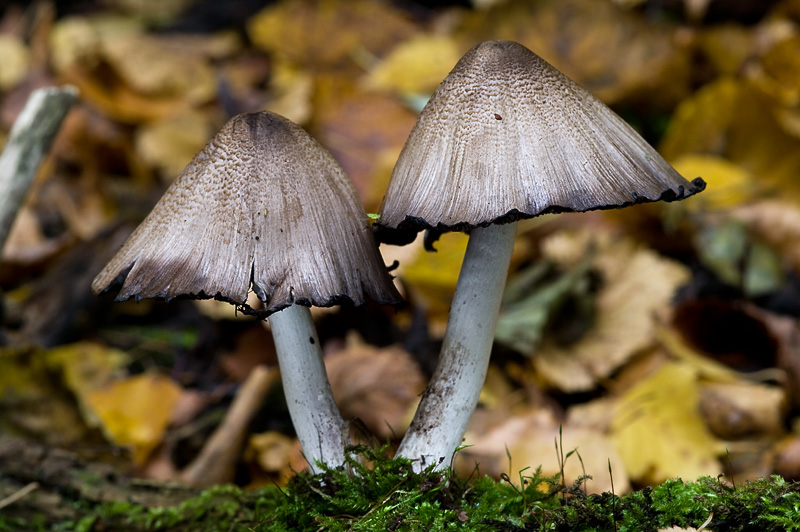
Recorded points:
263,205
507,136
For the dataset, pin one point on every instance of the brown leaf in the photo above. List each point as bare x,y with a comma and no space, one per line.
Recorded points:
378,386
344,122
530,439
637,284
743,409
639,60
326,35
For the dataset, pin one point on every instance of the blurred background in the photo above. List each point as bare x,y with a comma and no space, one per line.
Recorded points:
663,338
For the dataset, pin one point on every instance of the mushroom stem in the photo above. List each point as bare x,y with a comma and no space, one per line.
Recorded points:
447,404
317,421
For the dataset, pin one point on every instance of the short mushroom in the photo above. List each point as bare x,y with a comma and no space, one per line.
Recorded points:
505,137
263,205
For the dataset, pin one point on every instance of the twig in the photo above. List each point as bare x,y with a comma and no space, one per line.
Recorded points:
14,497
215,463
30,139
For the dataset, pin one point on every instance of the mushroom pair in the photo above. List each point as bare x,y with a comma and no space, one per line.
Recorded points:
505,137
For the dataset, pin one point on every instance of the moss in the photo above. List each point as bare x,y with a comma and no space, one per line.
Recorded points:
381,494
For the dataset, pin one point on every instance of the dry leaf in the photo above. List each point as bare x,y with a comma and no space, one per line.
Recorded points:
729,185
32,402
291,91
637,284
416,66
15,60
154,66
658,431
431,277
531,438
778,73
86,366
345,123
171,142
727,47
743,409
327,35
732,119
777,222
136,411
378,386
640,60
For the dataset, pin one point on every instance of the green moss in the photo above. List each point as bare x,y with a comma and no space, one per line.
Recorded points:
380,494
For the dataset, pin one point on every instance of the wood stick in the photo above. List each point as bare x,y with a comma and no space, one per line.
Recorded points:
30,139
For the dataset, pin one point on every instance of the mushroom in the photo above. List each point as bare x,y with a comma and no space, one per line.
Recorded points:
263,205
505,137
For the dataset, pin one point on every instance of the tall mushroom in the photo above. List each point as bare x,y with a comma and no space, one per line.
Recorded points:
263,205
505,137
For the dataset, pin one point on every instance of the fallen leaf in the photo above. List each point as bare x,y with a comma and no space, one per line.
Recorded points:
531,439
720,119
728,184
171,142
777,222
778,71
659,432
636,285
344,122
291,92
153,66
378,386
416,66
431,277
136,411
33,402
640,60
86,366
522,323
15,58
743,409
328,35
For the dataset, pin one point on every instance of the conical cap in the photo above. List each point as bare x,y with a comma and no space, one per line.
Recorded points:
262,205
507,136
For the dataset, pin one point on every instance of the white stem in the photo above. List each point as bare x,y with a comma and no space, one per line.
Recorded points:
316,419
449,400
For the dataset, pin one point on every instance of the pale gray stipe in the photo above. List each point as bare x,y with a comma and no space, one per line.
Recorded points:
507,136
263,205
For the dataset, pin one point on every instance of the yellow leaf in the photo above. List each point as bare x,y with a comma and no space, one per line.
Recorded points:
659,432
779,72
416,66
86,366
432,276
729,184
171,142
733,119
15,58
291,91
136,411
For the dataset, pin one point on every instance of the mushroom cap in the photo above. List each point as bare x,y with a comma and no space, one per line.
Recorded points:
262,205
506,136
